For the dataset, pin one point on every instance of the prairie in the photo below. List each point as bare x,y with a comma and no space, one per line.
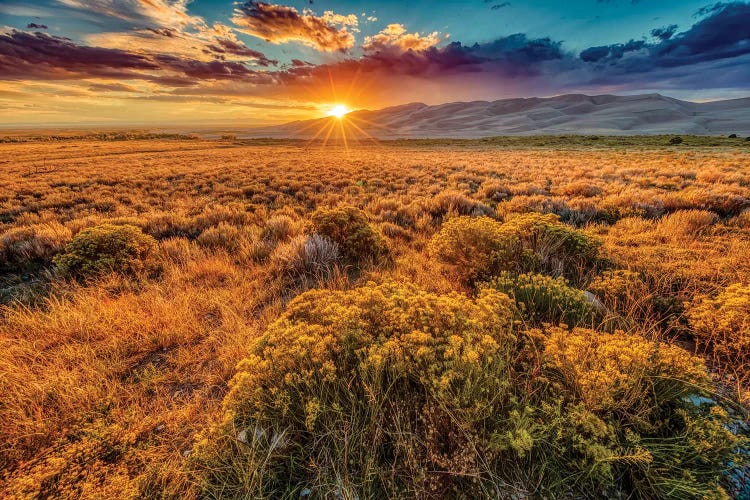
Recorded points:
520,317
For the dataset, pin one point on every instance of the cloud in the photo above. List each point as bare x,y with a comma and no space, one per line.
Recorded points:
724,34
165,26
204,44
111,87
280,24
46,57
394,66
506,65
38,55
611,52
395,37
500,6
144,12
35,26
664,33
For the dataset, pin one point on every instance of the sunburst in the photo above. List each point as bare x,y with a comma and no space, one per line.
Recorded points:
342,123
338,111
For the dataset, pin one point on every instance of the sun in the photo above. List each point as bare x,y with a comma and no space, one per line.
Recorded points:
338,111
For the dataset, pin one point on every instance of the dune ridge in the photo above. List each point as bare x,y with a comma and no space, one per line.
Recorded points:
646,114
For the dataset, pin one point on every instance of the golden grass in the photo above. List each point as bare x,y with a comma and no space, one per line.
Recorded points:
104,384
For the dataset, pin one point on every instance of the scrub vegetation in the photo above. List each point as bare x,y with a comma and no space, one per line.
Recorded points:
186,318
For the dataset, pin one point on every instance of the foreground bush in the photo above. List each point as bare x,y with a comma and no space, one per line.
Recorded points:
103,249
723,324
638,421
350,229
390,391
543,299
481,247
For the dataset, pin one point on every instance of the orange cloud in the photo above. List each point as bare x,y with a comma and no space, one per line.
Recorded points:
158,12
280,24
394,36
203,44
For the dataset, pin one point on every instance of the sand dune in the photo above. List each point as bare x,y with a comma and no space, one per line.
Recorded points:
567,114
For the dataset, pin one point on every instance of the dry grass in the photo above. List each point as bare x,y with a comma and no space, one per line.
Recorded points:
104,385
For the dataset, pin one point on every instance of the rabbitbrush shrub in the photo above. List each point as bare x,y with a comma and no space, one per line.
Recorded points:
544,299
389,391
350,229
481,247
722,324
103,249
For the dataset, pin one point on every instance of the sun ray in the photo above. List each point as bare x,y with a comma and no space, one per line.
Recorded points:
365,134
328,134
319,132
343,135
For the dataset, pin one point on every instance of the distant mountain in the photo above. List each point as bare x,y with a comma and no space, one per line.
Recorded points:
566,114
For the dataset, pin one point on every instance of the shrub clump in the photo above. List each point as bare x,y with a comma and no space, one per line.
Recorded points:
35,244
481,247
458,203
641,420
350,229
105,248
306,259
628,299
686,223
390,391
544,299
722,324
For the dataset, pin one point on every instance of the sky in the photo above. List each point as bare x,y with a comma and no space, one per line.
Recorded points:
168,62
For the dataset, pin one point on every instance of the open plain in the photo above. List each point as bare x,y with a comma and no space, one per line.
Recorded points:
413,318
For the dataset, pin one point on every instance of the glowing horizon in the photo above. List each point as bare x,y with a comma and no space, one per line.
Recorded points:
112,62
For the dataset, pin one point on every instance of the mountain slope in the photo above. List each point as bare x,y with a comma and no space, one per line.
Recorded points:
566,114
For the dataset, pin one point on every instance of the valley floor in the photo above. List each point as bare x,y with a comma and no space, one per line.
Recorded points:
116,383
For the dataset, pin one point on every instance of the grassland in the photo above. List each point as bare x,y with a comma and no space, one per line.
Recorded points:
511,316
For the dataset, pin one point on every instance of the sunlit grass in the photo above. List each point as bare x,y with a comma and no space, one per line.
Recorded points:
110,378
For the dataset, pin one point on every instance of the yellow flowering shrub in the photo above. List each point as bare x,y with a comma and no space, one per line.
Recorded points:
94,462
350,229
723,323
400,378
649,421
618,288
546,299
478,248
618,371
388,390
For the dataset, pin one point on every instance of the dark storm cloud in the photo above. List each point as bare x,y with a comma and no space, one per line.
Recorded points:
611,52
226,46
38,55
513,54
203,70
724,34
46,57
664,33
